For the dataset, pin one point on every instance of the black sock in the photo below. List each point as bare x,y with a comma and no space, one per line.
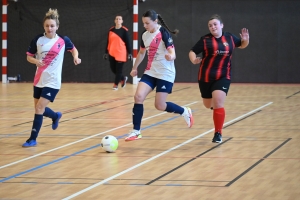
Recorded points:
137,115
50,113
37,124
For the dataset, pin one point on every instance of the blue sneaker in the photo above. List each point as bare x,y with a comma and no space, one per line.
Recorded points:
55,122
30,143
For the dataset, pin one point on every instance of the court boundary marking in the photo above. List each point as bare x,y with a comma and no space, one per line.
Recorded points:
256,163
83,139
187,162
97,104
159,155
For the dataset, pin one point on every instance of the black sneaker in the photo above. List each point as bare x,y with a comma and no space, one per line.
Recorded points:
217,138
123,83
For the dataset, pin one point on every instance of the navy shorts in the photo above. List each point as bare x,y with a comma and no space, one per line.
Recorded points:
161,85
206,88
46,92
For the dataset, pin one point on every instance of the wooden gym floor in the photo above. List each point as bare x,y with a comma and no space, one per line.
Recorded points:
258,159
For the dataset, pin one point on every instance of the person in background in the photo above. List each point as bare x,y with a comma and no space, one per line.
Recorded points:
118,50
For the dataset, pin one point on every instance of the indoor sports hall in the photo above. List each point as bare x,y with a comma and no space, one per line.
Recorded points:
259,157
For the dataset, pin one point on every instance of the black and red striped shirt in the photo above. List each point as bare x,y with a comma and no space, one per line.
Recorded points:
216,56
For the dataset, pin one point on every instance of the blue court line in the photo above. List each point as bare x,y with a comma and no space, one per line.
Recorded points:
64,183
46,164
76,153
173,184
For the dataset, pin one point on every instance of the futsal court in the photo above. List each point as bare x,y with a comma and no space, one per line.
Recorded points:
259,157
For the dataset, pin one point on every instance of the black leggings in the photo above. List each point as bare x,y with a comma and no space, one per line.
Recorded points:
117,68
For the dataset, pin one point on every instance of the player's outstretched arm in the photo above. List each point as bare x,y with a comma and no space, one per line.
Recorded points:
244,37
138,60
75,54
193,58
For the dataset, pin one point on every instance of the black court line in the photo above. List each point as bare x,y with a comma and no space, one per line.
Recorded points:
183,164
93,105
292,95
117,179
242,119
82,108
255,164
111,184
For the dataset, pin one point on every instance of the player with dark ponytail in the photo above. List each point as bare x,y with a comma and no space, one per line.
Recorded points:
159,73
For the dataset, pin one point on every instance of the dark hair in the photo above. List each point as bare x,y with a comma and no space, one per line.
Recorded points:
217,17
153,16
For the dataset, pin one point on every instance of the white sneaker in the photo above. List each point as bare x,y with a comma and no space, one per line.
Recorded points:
133,135
115,87
187,115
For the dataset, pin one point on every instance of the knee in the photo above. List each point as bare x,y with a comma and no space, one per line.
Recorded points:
218,104
207,106
160,106
39,109
138,98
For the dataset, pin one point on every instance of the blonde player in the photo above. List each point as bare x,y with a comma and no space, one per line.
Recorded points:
46,51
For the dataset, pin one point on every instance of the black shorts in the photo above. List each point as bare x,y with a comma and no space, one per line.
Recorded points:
206,88
46,92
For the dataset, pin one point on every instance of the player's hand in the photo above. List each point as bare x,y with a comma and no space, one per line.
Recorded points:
130,57
39,63
77,61
244,34
105,56
133,72
168,57
197,60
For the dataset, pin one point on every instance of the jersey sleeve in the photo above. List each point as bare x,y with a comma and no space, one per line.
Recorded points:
32,49
198,47
167,38
237,41
68,43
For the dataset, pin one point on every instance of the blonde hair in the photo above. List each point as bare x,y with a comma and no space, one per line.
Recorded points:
52,14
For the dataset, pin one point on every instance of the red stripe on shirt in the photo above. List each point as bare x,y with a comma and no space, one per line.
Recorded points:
153,49
210,64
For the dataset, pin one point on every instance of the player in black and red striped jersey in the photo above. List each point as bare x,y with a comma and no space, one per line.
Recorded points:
215,68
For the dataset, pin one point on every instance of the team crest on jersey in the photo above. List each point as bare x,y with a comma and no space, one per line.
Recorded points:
225,44
58,45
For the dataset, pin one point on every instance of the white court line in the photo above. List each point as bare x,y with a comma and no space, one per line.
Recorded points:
158,155
89,137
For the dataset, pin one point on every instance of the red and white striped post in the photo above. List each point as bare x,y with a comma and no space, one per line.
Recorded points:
135,36
4,41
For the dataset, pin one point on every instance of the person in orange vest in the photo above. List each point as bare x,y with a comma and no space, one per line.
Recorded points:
118,51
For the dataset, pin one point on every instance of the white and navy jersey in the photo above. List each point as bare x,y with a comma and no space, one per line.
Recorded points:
156,45
51,52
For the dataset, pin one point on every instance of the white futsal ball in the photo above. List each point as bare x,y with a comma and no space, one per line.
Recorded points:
109,143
